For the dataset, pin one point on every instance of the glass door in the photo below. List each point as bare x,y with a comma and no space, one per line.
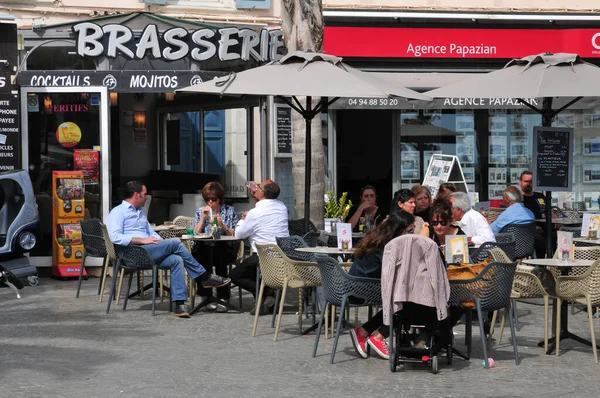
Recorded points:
66,129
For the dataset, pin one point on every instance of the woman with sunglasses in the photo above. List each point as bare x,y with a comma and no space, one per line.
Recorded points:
368,257
224,253
368,207
440,225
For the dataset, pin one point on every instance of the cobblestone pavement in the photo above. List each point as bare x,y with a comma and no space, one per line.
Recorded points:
54,345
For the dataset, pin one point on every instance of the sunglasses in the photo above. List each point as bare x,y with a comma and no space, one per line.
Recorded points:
442,223
213,199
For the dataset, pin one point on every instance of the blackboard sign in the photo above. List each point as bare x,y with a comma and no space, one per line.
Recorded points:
283,116
10,137
552,158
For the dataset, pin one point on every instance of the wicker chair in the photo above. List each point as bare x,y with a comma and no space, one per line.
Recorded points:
111,258
93,246
131,259
493,214
490,290
296,227
182,221
338,287
524,236
280,273
581,289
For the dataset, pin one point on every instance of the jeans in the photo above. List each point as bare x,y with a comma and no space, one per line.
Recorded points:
171,254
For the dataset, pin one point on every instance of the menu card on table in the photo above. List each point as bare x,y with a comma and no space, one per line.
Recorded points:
344,236
590,225
565,246
457,249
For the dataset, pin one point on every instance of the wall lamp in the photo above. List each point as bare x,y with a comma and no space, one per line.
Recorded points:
139,119
114,98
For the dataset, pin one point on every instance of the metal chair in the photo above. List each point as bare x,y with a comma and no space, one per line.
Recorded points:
93,246
483,251
524,236
339,287
576,231
490,290
132,259
311,238
296,227
557,212
280,273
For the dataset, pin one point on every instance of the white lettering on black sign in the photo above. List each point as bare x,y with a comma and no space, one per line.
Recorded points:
9,133
177,43
553,158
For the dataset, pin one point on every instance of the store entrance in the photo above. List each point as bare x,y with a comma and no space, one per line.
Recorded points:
66,129
364,154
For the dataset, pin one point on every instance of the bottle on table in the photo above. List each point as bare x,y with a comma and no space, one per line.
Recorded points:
361,224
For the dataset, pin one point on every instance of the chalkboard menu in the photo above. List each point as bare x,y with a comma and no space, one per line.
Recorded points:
552,158
10,139
283,114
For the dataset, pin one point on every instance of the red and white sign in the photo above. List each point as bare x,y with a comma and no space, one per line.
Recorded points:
364,42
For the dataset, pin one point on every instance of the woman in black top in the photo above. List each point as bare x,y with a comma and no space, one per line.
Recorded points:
368,257
368,208
422,201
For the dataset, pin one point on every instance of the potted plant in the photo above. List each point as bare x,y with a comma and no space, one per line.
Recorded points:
336,210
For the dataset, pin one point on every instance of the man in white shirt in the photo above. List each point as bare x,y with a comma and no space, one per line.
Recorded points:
267,221
474,225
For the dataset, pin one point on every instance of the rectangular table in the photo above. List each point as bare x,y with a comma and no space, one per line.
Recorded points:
563,221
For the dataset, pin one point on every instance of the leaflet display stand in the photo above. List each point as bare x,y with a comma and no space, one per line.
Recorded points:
68,208
442,169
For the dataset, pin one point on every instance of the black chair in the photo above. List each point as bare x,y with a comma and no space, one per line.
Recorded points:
339,287
524,237
575,230
132,259
289,244
93,246
311,238
490,290
483,251
558,212
296,227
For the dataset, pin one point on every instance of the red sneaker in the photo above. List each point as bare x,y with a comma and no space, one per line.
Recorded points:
359,342
380,347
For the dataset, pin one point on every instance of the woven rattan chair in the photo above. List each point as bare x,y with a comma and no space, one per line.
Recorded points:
339,287
132,259
490,290
581,289
524,237
111,258
93,246
493,214
296,227
182,221
280,273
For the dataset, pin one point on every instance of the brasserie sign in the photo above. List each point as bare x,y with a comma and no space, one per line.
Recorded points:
228,43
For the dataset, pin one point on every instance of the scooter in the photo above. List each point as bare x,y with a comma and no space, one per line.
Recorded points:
7,278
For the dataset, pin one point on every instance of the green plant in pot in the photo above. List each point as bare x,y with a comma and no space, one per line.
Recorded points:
337,209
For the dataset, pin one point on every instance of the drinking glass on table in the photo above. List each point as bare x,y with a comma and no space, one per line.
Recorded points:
190,227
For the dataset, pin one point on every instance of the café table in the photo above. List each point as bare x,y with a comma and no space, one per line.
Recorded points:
563,220
355,235
344,253
586,240
211,242
564,330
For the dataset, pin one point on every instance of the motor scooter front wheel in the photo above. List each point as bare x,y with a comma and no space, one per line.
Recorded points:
33,280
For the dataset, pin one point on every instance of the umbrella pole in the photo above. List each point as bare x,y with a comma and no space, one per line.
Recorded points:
308,167
547,115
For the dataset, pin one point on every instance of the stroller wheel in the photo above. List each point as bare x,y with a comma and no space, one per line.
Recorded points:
33,280
434,364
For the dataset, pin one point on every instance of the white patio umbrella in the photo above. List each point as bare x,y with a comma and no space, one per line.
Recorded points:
305,74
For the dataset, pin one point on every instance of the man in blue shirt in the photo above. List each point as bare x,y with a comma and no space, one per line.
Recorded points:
127,225
516,212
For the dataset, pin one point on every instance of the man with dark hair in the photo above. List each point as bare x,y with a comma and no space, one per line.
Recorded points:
127,225
267,221
535,202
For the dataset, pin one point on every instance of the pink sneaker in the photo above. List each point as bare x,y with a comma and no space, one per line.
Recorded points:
380,347
359,342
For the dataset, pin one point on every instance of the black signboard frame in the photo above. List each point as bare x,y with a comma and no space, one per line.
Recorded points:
284,130
553,158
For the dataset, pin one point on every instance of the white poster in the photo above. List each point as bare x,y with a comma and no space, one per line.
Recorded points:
498,124
515,174
518,123
519,150
591,146
497,175
591,173
427,157
410,166
497,153
495,191
465,148
469,173
591,120
465,123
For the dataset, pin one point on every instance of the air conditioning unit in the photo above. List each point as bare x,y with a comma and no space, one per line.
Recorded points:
159,2
253,4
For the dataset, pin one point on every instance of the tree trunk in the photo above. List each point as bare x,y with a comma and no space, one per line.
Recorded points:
302,23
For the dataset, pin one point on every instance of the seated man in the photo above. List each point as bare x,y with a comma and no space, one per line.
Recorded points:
474,225
515,213
127,225
267,221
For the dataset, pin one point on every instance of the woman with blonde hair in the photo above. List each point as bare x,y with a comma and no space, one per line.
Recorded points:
422,201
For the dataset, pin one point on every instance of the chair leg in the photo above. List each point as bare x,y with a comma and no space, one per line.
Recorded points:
281,302
155,272
469,331
513,303
128,290
592,334
161,285
256,312
558,311
80,274
321,318
275,308
300,305
546,321
339,327
102,271
482,333
513,335
501,332
120,286
104,276
492,327
113,287
332,324
326,311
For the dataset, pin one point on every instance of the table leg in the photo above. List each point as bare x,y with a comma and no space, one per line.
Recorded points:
564,330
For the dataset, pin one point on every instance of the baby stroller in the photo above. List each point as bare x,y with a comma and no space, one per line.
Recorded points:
415,292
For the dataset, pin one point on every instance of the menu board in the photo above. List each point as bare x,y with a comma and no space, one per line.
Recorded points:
10,139
552,158
283,115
